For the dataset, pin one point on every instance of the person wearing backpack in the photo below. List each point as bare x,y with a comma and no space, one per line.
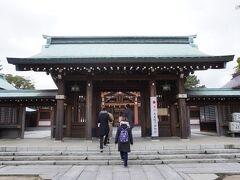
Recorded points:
124,139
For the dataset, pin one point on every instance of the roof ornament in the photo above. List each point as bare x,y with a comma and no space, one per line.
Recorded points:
191,40
49,39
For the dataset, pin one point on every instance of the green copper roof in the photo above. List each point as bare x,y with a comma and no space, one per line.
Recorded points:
18,94
118,50
118,47
191,93
4,84
213,92
233,83
78,50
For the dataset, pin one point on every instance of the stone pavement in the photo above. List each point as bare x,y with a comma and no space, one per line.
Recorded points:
194,171
41,138
204,171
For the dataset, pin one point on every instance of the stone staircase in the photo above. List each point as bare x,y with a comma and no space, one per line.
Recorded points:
110,156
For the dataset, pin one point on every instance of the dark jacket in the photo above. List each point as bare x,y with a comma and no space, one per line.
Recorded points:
129,114
124,147
103,119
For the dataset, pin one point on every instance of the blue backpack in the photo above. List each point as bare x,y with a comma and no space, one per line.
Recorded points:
123,137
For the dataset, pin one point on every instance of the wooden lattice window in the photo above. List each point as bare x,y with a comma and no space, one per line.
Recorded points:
207,113
8,115
82,111
226,114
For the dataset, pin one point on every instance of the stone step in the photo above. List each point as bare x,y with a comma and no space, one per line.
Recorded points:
118,162
116,157
115,152
153,147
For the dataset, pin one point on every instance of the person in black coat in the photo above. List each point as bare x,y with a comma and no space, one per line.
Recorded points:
103,119
129,114
124,147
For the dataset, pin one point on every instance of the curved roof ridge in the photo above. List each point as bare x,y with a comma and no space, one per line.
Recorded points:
119,39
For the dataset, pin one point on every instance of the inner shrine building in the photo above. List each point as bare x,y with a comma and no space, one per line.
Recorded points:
91,72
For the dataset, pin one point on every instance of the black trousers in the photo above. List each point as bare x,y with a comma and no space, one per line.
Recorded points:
103,140
124,157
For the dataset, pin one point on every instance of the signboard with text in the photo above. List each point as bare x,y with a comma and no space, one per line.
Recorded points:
154,116
60,97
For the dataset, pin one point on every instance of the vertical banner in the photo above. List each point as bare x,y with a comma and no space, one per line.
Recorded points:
154,116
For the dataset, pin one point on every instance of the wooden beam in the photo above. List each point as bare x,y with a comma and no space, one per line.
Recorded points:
120,77
212,102
26,104
158,66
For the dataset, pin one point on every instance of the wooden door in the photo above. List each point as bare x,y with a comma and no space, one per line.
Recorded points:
79,118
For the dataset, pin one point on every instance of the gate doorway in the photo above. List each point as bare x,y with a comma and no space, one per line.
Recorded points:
115,95
38,122
115,103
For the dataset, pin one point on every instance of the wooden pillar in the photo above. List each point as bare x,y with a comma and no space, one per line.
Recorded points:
173,116
53,120
69,120
89,94
94,113
22,115
153,118
98,105
219,120
182,109
60,110
188,121
136,111
143,113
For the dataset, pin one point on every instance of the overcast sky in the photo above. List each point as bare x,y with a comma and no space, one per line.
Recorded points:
23,22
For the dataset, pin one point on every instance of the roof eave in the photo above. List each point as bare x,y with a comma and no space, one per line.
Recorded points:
19,61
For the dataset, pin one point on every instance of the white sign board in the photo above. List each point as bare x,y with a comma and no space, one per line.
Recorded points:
44,123
182,96
236,117
234,126
154,116
60,96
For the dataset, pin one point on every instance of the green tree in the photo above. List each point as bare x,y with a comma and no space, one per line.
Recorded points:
193,82
19,82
